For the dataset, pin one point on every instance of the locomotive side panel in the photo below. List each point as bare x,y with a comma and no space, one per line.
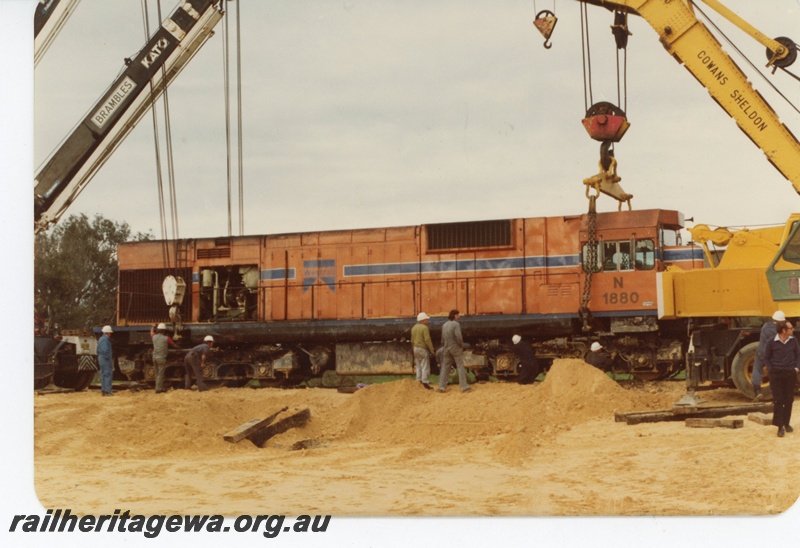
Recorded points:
552,261
355,279
343,275
275,277
321,275
438,289
348,295
373,277
300,297
401,284
473,267
498,275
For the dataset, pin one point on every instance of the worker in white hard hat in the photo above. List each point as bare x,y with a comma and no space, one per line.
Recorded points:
194,362
768,332
161,344
105,359
598,357
422,346
529,367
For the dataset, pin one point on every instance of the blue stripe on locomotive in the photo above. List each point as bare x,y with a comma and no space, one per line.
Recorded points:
428,267
463,265
675,255
278,274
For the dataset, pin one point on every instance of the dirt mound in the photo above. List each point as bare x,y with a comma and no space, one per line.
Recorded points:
396,449
576,391
510,414
181,423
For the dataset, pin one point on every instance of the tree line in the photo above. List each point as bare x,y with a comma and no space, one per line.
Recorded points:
75,271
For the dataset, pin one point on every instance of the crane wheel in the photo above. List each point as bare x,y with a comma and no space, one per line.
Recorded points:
742,372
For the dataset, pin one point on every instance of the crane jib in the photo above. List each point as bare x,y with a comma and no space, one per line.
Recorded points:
141,81
132,81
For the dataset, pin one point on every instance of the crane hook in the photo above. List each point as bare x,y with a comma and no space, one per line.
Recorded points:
545,22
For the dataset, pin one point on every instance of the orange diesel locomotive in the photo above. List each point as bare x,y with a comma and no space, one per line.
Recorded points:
290,306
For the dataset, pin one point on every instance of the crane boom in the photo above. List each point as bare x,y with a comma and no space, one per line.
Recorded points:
133,92
49,18
690,42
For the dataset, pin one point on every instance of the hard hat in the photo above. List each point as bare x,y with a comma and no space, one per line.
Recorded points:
422,316
779,316
208,338
161,326
596,346
515,339
107,329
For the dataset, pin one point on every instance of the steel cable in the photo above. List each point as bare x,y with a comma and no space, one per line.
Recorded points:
226,89
159,179
239,116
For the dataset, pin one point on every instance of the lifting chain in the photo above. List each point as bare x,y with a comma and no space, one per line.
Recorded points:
589,265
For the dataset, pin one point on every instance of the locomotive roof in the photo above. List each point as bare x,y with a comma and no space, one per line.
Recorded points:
612,219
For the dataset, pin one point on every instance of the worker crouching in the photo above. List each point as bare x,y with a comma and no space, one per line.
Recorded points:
194,362
529,367
598,357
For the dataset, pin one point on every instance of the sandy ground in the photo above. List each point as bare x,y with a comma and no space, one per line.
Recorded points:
395,449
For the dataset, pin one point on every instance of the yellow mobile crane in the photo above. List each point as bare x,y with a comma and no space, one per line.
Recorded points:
758,271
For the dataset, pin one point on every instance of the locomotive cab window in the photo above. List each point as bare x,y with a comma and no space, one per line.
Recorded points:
670,237
617,256
645,256
621,256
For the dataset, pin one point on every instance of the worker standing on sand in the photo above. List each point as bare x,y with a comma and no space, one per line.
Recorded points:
782,359
105,359
161,344
529,367
598,357
194,362
768,332
422,345
453,353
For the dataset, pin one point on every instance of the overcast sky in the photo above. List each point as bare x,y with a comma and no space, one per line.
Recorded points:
384,113
381,113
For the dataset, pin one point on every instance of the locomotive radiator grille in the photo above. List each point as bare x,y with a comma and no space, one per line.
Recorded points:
139,303
479,234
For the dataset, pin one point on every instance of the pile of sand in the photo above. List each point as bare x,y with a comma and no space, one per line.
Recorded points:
180,423
552,448
514,418
144,424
